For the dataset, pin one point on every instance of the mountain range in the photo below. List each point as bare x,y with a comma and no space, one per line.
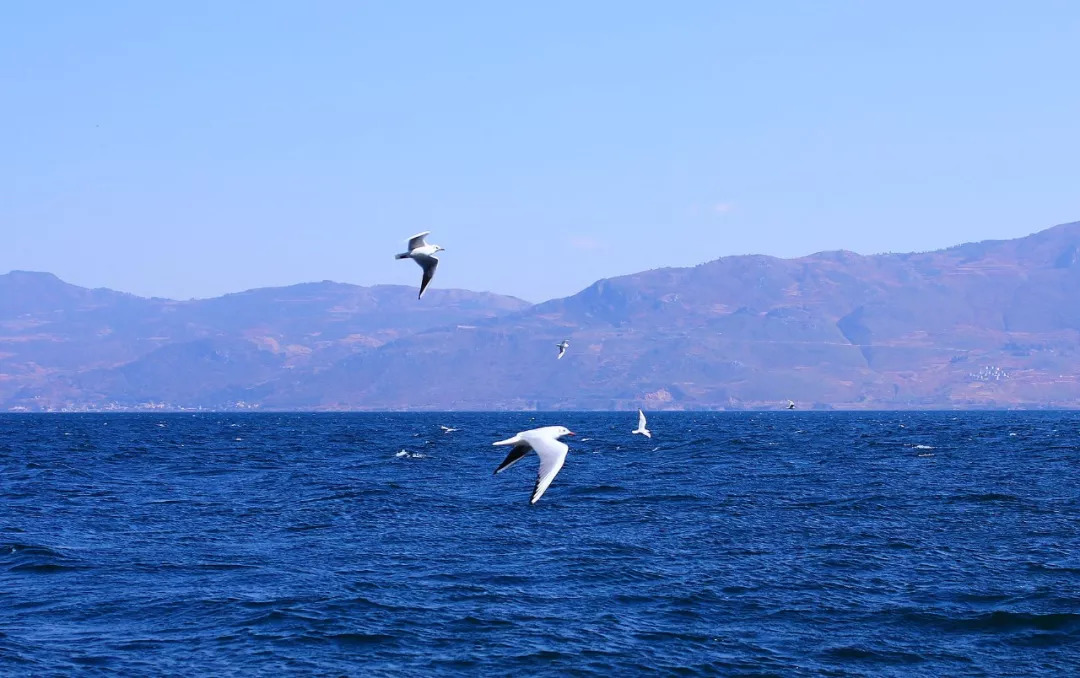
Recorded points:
988,324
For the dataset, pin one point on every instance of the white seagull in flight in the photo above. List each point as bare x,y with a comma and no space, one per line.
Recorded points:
423,254
641,425
545,442
447,429
562,348
791,404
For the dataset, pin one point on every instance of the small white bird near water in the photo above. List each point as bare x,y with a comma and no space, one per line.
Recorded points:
447,429
562,348
424,255
545,442
641,425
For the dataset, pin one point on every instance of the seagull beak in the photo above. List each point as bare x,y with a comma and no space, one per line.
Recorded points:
570,433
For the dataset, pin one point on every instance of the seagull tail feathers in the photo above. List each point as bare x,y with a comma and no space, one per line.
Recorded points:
509,441
404,255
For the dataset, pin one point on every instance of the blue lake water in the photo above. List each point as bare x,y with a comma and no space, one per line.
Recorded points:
785,543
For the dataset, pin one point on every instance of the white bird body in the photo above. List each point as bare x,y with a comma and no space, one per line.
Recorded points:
424,255
424,251
562,348
791,404
641,425
545,442
447,429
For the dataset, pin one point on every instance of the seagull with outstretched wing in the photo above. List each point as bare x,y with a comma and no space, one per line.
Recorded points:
545,442
641,425
562,348
424,255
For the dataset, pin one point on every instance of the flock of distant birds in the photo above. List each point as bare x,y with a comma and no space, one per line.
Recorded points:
544,441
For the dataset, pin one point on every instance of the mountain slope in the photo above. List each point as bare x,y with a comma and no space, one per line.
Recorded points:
985,324
993,323
63,345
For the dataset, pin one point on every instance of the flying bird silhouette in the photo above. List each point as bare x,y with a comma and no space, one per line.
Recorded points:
545,442
562,348
424,255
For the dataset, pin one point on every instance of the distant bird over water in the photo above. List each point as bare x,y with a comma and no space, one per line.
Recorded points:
447,429
791,404
562,348
545,442
424,255
641,425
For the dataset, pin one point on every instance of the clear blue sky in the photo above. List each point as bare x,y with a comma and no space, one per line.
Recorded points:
194,148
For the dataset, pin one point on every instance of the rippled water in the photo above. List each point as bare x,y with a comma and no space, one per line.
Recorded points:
788,543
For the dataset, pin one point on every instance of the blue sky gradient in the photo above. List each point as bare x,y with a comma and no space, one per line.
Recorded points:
188,149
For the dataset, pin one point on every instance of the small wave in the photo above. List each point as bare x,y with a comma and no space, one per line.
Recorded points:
307,528
1002,621
33,558
985,497
598,489
865,654
470,623
924,447
363,639
44,568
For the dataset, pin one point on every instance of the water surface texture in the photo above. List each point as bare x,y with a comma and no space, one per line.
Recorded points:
786,543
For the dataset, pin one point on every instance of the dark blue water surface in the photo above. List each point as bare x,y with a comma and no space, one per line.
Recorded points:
788,543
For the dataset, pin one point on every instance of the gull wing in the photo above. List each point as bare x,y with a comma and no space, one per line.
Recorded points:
429,264
516,453
641,420
552,455
418,240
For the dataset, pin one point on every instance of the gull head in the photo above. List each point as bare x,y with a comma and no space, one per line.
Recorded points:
440,248
561,431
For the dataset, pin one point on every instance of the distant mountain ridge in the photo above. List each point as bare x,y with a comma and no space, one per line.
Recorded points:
988,324
67,346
